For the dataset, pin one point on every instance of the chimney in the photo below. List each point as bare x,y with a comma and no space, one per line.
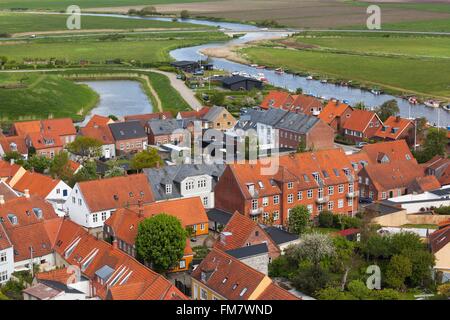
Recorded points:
397,119
114,244
27,193
140,210
2,199
11,161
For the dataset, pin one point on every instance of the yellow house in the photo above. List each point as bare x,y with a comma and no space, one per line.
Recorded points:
223,277
440,246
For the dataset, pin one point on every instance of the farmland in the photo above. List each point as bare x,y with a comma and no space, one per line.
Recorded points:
35,96
395,68
27,22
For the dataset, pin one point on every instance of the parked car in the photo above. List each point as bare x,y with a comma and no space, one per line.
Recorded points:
361,144
365,200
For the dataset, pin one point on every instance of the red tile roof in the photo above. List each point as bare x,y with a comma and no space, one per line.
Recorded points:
445,177
101,133
275,292
98,120
59,127
4,239
194,114
422,184
13,143
7,192
277,99
37,184
439,239
44,140
58,275
8,170
144,118
305,103
394,123
333,110
116,192
359,120
393,150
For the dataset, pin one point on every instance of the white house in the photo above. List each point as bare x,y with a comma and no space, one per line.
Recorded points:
415,203
185,180
6,256
90,203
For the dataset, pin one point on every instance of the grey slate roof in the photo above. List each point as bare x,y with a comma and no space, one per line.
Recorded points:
159,177
183,63
217,215
280,236
248,251
127,130
59,286
104,272
383,208
165,126
236,79
278,119
213,112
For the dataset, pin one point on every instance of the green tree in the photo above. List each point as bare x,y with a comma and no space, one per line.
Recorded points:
3,60
85,147
217,99
326,219
435,143
360,106
422,264
115,171
402,241
315,247
358,289
161,241
387,109
398,269
184,14
299,219
87,173
333,293
16,156
344,258
60,167
146,159
37,163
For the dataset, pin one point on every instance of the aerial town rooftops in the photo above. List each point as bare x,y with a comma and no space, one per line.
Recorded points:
127,130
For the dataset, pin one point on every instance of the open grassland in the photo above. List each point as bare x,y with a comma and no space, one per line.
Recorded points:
37,96
27,22
63,4
145,48
423,76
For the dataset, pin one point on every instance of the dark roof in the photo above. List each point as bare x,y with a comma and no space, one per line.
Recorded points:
59,286
219,216
383,208
165,126
441,192
127,130
249,251
183,63
280,236
237,79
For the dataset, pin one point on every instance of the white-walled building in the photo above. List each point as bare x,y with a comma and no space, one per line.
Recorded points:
91,203
415,203
6,256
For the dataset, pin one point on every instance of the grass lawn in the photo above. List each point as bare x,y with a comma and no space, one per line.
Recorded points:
424,76
63,4
40,96
420,226
152,49
28,22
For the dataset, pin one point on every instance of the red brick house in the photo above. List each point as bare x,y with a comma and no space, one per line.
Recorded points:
45,144
319,180
63,128
396,128
335,114
129,136
361,125
307,105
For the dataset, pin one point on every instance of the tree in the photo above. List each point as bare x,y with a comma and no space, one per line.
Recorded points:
403,241
387,109
344,258
444,290
332,293
115,171
87,173
113,117
398,269
435,143
184,14
146,159
217,99
38,163
60,167
299,91
160,241
3,60
358,289
85,147
299,219
360,106
315,247
422,264
16,156
326,219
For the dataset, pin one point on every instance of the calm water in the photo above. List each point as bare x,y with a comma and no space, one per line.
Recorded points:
119,98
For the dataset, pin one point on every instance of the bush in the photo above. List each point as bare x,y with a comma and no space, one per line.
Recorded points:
442,210
342,221
326,219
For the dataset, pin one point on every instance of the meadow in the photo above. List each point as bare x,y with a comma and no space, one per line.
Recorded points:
29,22
39,96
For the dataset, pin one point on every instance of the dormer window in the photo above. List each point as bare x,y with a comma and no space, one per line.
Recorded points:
243,292
38,212
13,219
260,184
251,188
408,157
316,176
168,188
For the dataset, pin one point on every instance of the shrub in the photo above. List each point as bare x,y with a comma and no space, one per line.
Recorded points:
326,219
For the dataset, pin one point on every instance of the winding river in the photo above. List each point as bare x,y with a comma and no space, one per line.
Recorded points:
435,116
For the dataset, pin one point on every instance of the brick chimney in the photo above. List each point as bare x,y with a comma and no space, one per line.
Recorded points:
114,244
27,193
11,161
140,209
397,118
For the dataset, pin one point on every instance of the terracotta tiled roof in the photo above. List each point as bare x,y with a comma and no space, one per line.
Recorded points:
143,118
125,221
275,292
116,192
7,192
277,99
241,229
437,162
59,127
37,184
58,275
8,170
98,120
333,110
101,133
394,150
445,177
23,128
439,239
358,120
74,166
422,184
393,123
194,114
305,103
44,140
4,239
13,143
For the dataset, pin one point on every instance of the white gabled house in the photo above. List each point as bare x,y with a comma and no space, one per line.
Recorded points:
6,256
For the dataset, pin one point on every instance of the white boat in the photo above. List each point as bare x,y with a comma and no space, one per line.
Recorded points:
279,71
324,81
235,73
431,104
375,92
412,100
254,65
446,107
309,78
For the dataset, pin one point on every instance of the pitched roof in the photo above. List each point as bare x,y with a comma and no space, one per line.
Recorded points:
127,130
98,120
7,192
194,114
304,103
439,239
275,292
422,184
101,133
125,221
249,251
8,170
236,79
59,127
13,143
359,120
213,113
4,239
165,126
44,140
333,110
115,192
144,118
42,291
280,236
393,127
277,99
445,177
391,150
36,183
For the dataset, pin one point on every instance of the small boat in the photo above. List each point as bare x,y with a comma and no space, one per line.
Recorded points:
260,67
309,78
324,81
431,104
279,71
412,100
446,107
346,101
254,65
235,73
375,92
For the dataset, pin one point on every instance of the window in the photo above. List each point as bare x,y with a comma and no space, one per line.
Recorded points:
80,202
65,193
265,201
330,205
340,203
202,226
203,294
168,188
320,193
350,187
290,185
310,194
350,202
371,194
3,276
320,207
201,183
73,200
383,195
276,215
316,176
58,191
367,181
182,264
205,201
103,216
190,185
330,190
254,204
341,188
299,195
2,257
276,199
95,217
265,215
290,198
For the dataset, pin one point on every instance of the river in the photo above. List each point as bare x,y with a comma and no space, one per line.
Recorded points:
435,116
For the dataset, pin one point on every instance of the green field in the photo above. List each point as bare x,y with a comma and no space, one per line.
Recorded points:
423,76
37,96
28,22
63,4
149,49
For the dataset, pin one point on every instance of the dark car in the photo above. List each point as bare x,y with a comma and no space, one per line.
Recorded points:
365,200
